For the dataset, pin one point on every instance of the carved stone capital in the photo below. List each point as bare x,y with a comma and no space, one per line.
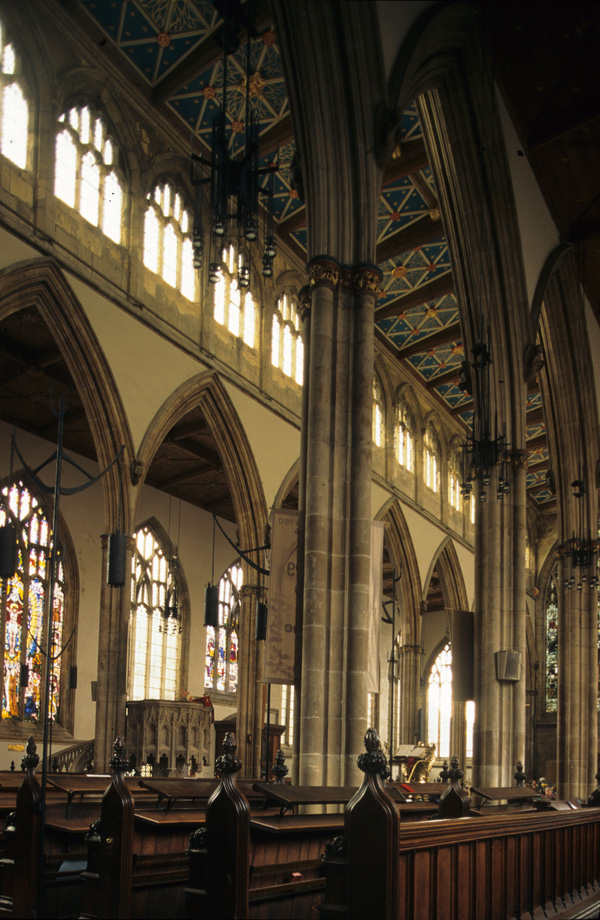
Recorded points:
304,299
366,278
323,271
519,459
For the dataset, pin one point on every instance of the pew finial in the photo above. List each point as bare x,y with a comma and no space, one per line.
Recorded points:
31,758
279,770
374,760
227,762
520,776
119,760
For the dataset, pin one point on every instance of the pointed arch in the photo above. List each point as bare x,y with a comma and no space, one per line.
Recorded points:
207,392
183,593
447,564
403,556
289,483
40,283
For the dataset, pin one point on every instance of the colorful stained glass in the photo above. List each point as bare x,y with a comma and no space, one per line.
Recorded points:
24,603
221,662
552,646
154,633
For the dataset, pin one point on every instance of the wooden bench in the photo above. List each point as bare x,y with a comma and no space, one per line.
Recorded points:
502,867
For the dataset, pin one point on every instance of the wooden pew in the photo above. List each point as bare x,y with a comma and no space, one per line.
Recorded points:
503,867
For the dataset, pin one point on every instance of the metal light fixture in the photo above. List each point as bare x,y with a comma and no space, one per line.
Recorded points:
483,449
581,551
234,177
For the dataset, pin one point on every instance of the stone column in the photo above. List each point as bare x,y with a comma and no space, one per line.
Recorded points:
336,469
111,690
518,496
410,683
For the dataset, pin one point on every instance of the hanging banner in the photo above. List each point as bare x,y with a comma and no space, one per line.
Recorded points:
375,595
280,644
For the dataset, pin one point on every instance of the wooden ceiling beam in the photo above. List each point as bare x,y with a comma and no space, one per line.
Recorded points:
465,407
424,231
447,377
432,291
443,337
206,55
534,415
278,135
554,130
412,158
297,221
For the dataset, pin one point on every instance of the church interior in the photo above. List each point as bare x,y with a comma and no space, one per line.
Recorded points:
299,376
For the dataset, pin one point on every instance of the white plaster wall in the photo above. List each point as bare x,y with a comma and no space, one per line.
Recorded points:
395,20
14,250
275,443
538,232
159,367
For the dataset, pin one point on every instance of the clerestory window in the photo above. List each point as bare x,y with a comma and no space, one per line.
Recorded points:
14,110
85,175
168,248
287,349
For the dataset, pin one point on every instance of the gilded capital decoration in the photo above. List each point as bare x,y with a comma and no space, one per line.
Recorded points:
367,278
323,271
519,459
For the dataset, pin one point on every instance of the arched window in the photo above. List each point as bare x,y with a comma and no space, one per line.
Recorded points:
14,111
154,622
84,175
168,248
405,439
287,349
221,667
431,460
234,308
287,713
439,702
454,479
551,636
24,599
378,417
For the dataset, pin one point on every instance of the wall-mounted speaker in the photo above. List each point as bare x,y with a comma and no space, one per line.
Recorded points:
508,665
211,606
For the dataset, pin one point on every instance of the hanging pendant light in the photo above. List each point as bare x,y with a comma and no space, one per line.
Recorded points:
235,178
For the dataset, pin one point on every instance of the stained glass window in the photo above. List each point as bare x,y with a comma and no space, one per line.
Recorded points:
439,702
287,349
14,111
84,172
552,645
221,665
232,308
454,479
23,610
155,621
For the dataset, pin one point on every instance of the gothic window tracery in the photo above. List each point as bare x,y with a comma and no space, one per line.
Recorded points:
168,249
287,349
405,438
454,479
551,635
234,308
155,621
439,702
24,600
85,176
431,459
221,658
14,110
